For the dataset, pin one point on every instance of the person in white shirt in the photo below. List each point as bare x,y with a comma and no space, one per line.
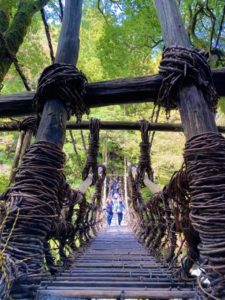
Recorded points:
119,208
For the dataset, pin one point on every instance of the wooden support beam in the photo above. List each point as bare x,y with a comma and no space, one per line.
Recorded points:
122,125
112,125
197,120
52,127
195,114
112,92
54,294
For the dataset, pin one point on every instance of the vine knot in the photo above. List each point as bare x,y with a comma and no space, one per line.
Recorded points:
66,83
180,66
28,123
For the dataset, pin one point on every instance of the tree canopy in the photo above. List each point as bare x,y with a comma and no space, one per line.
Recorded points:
119,38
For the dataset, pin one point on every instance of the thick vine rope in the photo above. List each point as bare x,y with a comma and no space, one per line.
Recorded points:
144,164
159,220
205,164
30,213
63,229
28,123
180,66
178,193
66,83
92,155
96,200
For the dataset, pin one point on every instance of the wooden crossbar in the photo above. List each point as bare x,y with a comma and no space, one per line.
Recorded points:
113,125
112,92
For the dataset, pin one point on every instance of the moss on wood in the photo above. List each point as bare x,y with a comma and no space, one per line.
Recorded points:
15,34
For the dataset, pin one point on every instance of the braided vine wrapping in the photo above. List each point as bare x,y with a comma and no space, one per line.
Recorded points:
66,83
180,66
92,155
144,164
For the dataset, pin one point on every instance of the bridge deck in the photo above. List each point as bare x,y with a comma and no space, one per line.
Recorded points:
116,265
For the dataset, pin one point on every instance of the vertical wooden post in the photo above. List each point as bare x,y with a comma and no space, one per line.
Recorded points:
52,127
26,143
125,190
17,155
125,180
201,153
23,143
104,191
196,117
27,257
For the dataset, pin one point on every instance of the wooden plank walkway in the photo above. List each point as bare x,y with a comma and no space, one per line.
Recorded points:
115,265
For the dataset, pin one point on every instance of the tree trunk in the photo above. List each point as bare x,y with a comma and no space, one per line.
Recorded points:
40,184
52,127
204,162
15,33
195,115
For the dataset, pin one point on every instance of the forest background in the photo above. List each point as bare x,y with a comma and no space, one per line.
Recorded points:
118,38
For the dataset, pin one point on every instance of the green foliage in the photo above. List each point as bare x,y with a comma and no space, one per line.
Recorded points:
122,39
4,182
203,22
125,48
222,105
91,32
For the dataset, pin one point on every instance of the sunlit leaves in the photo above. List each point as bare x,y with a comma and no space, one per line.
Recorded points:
125,42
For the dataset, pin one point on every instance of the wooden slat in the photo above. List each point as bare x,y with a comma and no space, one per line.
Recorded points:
141,278
131,294
119,262
120,284
95,271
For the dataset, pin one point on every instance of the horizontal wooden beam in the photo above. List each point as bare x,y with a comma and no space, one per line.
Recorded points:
112,92
112,125
132,294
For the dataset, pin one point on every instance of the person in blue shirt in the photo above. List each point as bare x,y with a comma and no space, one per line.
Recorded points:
109,211
119,210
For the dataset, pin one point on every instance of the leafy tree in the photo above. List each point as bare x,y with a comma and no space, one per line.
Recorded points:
130,40
15,18
118,39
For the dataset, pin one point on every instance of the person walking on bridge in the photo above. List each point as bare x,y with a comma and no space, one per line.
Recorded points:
109,211
119,210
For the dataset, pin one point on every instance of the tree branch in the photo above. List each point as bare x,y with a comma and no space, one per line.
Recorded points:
4,16
221,28
213,21
193,20
101,10
41,3
61,10
15,34
48,35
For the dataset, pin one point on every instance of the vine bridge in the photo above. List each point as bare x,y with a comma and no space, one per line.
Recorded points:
54,243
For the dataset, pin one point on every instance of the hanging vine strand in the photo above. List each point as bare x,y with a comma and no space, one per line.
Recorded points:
92,155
